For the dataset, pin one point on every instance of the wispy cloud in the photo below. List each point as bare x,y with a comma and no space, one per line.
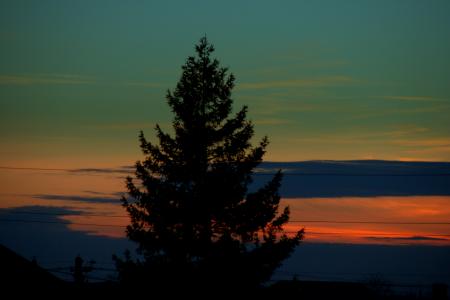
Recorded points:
409,238
428,109
437,150
276,103
78,198
295,83
271,109
40,212
130,125
45,79
146,84
430,147
272,121
412,98
119,170
83,171
69,79
388,136
408,143
428,142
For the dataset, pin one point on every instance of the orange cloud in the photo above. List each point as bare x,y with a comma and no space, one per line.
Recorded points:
381,219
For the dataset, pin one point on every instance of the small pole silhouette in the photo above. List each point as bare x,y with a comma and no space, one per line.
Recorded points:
79,270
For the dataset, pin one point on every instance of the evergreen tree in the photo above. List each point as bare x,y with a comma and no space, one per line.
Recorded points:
192,214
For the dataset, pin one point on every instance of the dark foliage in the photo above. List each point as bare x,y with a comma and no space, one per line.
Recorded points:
192,215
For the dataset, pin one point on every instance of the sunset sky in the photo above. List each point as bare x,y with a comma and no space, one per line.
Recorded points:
323,79
326,80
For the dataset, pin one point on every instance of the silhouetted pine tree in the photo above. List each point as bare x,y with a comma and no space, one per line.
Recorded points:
191,212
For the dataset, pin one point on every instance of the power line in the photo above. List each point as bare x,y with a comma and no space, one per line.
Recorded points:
66,214
366,274
284,272
369,222
288,232
368,234
59,222
86,275
317,275
33,169
359,174
93,268
343,277
290,221
365,278
286,173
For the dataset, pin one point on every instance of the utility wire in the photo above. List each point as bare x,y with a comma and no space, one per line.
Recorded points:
59,222
369,222
86,275
368,234
290,221
66,214
32,169
285,173
289,272
289,232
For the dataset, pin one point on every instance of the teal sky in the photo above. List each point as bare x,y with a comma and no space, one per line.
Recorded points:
324,79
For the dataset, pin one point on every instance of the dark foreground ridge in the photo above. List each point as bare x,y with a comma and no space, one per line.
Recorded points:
20,276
